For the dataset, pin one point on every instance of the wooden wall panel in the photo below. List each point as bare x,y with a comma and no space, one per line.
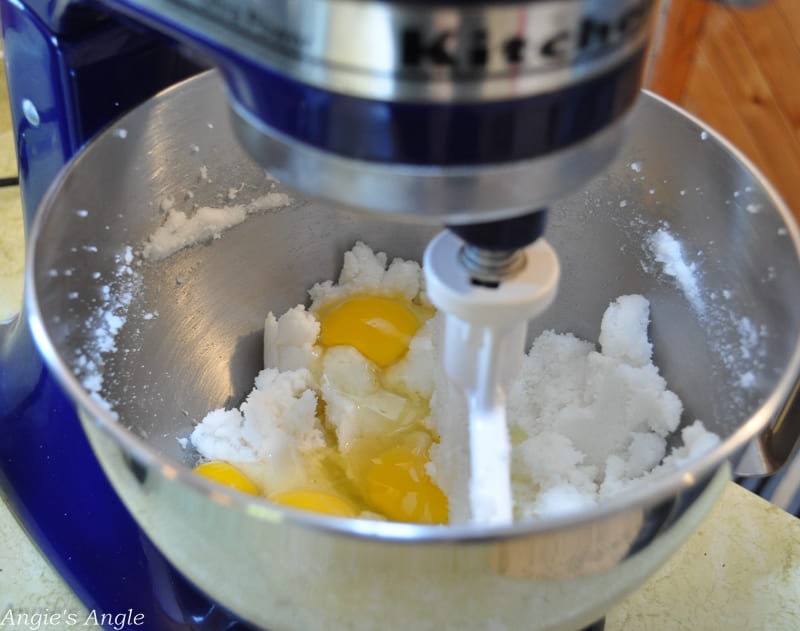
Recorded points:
790,10
707,97
773,43
753,99
674,45
742,78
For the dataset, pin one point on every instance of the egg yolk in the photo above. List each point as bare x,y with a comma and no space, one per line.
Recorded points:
227,475
398,486
316,501
379,327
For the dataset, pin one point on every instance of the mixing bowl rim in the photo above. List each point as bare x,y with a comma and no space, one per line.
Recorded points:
663,488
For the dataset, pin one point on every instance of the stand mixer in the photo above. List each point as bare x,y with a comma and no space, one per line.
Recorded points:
475,115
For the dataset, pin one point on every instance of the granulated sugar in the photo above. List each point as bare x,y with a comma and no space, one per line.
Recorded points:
119,290
590,423
180,230
669,252
117,293
734,338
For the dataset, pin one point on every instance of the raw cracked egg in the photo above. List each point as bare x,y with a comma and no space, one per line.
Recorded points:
398,485
227,475
347,404
317,501
381,431
379,327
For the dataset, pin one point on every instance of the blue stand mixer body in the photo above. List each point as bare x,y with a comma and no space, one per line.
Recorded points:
48,471
72,70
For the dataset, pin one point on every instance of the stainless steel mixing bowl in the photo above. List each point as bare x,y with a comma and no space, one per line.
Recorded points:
188,339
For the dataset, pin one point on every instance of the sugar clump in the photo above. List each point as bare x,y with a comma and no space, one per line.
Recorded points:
180,229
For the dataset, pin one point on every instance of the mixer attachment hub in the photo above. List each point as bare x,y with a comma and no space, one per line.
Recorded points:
494,251
488,268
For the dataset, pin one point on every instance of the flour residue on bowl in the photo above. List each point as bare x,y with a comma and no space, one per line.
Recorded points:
668,251
180,229
121,288
737,341
116,295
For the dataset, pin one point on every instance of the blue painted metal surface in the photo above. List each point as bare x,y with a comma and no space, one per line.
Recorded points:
64,87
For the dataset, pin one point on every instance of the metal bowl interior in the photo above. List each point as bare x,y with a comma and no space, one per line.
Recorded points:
192,330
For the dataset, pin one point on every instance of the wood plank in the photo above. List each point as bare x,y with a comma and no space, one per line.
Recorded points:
673,46
790,10
752,97
707,98
772,42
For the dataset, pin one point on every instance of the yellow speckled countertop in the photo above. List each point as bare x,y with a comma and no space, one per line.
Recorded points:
11,254
740,571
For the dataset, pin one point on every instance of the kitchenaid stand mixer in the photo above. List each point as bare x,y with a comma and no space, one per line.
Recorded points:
444,112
